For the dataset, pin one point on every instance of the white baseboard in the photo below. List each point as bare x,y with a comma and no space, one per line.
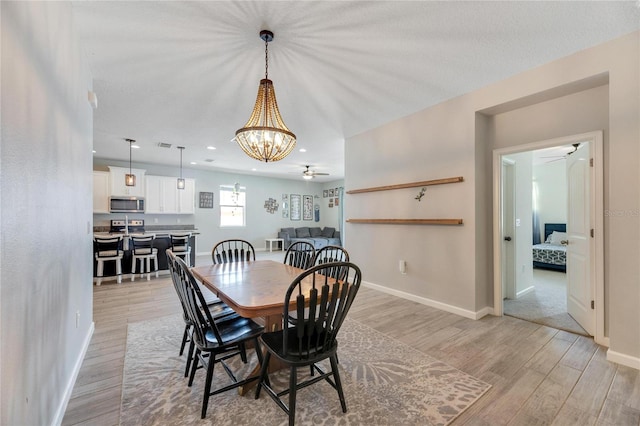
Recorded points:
620,358
432,303
525,291
74,375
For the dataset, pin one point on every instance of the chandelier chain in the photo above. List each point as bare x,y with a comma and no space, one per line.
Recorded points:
266,58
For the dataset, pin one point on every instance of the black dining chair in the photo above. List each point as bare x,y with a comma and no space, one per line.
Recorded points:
315,307
229,251
217,308
215,341
329,254
300,254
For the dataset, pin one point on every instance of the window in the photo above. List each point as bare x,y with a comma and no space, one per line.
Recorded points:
232,205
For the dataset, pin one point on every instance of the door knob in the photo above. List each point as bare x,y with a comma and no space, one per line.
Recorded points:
507,238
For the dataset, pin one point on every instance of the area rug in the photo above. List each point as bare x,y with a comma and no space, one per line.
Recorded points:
385,382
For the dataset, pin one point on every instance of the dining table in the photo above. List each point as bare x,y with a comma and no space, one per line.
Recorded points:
253,289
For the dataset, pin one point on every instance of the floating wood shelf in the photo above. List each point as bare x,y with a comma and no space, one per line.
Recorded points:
409,221
408,185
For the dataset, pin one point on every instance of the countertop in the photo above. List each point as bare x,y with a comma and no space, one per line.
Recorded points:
156,232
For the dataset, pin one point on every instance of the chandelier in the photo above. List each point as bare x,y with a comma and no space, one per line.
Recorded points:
265,137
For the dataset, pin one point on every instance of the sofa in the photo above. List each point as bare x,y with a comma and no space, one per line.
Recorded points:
318,237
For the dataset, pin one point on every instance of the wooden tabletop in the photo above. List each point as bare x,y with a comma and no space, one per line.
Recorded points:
253,289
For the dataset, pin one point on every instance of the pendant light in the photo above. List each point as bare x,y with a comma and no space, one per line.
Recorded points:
265,137
181,183
130,178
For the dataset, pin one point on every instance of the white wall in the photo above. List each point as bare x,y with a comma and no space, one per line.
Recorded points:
551,179
446,265
46,274
259,223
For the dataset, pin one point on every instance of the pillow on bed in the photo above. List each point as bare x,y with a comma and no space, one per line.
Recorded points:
557,238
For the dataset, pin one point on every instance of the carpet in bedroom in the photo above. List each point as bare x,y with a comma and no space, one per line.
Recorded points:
547,304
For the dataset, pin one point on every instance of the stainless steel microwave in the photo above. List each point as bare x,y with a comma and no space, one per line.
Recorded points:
126,204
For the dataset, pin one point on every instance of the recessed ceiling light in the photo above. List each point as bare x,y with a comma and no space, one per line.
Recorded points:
211,147
303,150
135,146
193,162
253,170
93,150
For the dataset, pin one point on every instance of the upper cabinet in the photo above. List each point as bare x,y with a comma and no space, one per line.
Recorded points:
118,187
163,196
101,192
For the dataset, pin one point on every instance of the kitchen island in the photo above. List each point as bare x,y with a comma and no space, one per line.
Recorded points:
162,242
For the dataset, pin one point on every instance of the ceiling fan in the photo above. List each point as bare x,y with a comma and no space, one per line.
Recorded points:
563,156
310,174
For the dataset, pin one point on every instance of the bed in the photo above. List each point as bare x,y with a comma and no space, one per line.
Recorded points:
552,254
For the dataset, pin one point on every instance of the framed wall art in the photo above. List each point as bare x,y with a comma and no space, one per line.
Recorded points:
285,206
295,210
206,200
307,207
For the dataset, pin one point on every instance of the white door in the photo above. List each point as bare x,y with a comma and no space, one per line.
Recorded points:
580,287
507,197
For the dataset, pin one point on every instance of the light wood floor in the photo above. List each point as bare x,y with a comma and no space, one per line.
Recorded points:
539,375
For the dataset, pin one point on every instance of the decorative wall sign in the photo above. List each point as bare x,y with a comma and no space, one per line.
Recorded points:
206,200
325,193
307,207
295,206
271,205
337,201
331,192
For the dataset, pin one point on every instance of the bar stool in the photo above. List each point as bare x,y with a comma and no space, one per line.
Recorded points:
142,250
108,249
180,246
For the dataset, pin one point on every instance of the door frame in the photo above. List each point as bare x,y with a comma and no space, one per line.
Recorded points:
597,210
508,270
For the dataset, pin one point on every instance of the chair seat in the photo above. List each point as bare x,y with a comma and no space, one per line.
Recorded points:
109,255
233,330
293,355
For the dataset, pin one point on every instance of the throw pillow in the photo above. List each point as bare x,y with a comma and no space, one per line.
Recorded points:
289,231
315,232
327,232
557,238
303,232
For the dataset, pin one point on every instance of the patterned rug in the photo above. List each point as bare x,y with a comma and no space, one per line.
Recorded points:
385,382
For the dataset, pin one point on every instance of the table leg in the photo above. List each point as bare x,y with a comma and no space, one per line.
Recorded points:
271,323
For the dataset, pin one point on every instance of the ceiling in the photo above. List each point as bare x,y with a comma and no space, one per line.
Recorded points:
187,73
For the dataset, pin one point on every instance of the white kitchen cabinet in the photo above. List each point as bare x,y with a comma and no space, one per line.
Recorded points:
163,196
101,192
118,187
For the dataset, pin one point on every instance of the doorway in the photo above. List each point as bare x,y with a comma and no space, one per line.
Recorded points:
538,288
